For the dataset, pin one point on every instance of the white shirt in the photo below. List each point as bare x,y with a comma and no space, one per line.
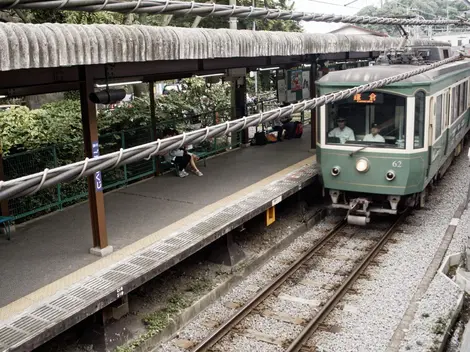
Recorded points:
345,134
371,138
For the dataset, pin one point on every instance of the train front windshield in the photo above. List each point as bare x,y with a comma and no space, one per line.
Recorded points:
373,118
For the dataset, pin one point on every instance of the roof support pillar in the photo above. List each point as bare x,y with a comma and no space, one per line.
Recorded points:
239,105
95,184
153,122
313,113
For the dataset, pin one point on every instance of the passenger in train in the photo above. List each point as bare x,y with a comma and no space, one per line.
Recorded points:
374,136
343,132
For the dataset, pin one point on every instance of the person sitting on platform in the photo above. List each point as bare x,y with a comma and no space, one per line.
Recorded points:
278,127
181,158
374,136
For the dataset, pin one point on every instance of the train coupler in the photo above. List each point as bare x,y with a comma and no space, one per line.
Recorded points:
358,213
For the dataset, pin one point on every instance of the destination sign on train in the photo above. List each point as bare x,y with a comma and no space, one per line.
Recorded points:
367,98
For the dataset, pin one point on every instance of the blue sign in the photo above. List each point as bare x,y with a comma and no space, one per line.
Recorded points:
95,147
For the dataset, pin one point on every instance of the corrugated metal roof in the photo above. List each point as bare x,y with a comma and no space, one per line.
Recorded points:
26,46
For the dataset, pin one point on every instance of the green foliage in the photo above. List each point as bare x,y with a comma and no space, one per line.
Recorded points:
222,22
21,128
126,116
198,98
59,123
52,16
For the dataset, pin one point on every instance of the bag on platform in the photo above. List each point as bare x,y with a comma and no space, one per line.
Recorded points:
299,129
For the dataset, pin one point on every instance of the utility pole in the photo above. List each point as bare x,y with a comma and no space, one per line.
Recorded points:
256,72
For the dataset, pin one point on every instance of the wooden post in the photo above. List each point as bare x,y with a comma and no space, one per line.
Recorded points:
4,211
313,113
95,184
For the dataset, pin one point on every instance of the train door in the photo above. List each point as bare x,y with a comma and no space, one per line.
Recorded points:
436,138
446,120
468,102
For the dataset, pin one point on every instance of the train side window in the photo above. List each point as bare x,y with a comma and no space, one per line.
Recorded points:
461,98
420,107
455,105
465,97
438,111
468,94
446,53
449,110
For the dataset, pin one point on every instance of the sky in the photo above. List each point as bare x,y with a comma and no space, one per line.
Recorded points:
328,7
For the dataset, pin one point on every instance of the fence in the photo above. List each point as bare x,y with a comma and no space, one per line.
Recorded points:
63,195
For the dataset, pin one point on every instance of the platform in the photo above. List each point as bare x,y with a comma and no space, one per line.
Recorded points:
50,282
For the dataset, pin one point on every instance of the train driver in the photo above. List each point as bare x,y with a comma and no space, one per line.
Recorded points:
374,136
343,132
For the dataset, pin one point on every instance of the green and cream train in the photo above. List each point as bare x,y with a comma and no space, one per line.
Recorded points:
379,151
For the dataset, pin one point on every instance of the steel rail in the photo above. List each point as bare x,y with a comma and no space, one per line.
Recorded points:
171,7
222,330
313,324
31,184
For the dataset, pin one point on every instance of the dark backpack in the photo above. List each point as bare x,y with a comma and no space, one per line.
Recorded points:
260,138
299,129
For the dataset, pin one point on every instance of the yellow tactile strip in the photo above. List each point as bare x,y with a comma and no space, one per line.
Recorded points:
36,297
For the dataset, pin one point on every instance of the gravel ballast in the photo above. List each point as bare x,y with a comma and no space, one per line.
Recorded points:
432,316
246,289
368,316
380,301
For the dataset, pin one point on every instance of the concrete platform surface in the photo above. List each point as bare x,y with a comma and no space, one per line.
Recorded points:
36,318
50,255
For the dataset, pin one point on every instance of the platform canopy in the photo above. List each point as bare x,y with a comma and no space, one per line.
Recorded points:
26,46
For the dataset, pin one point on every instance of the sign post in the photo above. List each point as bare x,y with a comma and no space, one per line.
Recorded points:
98,180
95,182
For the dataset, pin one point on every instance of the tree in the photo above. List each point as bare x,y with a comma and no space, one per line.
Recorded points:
222,22
432,9
52,16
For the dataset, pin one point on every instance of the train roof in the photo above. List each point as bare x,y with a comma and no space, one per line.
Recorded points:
373,73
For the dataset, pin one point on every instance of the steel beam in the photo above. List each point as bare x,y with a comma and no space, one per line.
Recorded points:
153,121
239,105
95,185
49,80
313,112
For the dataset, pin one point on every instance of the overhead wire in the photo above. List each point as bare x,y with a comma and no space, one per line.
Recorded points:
171,7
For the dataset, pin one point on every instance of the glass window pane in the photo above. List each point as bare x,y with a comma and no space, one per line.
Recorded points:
372,118
438,111
420,105
465,96
455,99
461,98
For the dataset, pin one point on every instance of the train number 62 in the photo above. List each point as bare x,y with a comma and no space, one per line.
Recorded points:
396,163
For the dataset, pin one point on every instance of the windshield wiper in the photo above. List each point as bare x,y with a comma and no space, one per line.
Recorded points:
358,150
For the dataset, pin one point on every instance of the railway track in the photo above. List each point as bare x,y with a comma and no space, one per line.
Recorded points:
322,259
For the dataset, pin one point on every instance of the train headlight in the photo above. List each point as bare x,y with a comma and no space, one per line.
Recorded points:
390,175
335,170
362,165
